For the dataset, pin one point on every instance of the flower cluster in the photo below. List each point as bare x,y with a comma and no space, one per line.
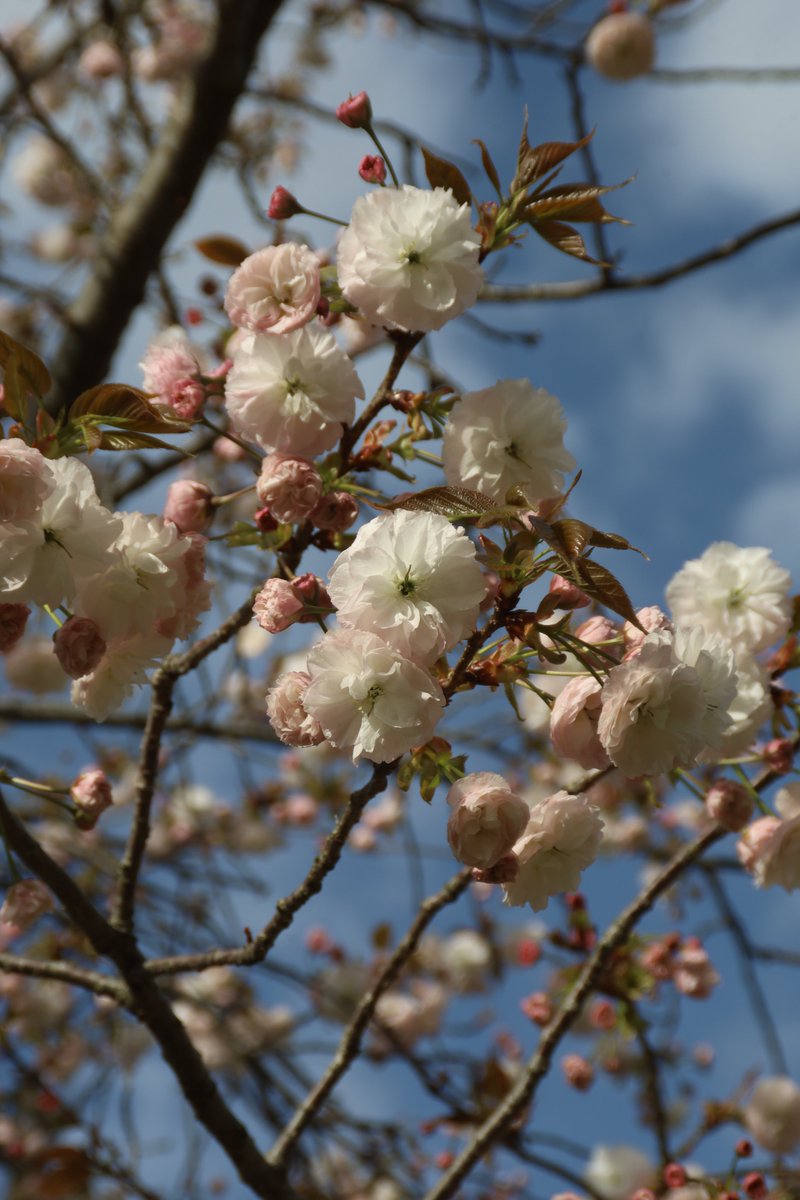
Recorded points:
133,582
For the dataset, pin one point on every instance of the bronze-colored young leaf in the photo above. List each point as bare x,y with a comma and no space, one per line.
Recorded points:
13,389
444,174
220,248
112,439
32,374
565,238
599,583
447,501
535,161
576,201
571,536
614,541
489,167
111,403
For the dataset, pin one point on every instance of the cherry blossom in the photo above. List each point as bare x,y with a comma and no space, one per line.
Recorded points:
511,433
412,578
274,290
292,393
738,592
486,819
561,839
368,698
409,258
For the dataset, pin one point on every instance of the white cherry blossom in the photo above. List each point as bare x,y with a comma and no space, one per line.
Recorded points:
368,698
409,258
738,592
413,579
504,435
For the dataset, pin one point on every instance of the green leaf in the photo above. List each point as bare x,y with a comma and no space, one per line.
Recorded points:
220,248
123,405
446,501
31,373
444,174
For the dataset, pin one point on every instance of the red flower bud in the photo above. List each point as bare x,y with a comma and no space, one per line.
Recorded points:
372,169
355,112
282,205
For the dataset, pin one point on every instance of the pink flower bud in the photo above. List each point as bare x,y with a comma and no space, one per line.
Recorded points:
79,646
314,595
537,1007
91,792
569,594
486,819
25,902
336,512
529,951
289,487
596,631
372,169
188,505
621,46
603,1015
754,1185
318,941
293,725
674,1175
283,205
13,619
779,755
578,1072
355,112
755,842
744,1148
277,606
729,804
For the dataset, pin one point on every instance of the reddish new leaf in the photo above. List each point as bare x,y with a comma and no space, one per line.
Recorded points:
222,249
535,161
31,373
565,238
446,501
444,174
120,403
489,167
599,583
577,201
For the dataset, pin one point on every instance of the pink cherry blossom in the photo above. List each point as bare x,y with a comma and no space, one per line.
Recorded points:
289,487
560,841
188,505
486,819
79,646
91,793
24,903
275,290
294,725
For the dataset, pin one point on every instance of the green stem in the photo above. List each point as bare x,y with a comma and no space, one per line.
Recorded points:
383,154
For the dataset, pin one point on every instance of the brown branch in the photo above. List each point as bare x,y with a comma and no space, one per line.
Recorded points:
350,1042
152,1008
140,229
101,985
166,677
404,343
286,909
726,75
578,288
498,1124
64,714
